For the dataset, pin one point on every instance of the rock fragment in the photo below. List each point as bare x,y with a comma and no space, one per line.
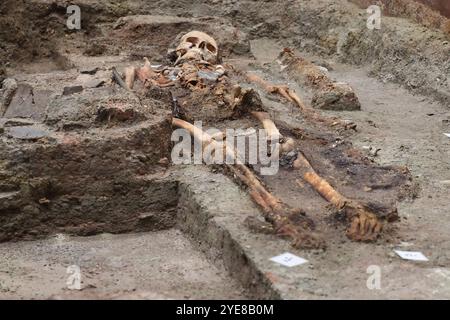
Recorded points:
91,71
27,133
7,90
71,90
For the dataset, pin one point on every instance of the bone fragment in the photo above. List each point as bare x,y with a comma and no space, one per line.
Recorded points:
290,95
364,224
286,144
327,94
130,75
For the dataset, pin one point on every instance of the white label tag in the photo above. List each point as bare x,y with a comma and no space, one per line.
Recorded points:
288,259
411,255
447,134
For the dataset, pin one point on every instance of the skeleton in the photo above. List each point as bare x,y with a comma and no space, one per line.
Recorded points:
204,84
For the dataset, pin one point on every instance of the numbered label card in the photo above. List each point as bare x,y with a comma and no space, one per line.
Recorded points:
411,255
288,259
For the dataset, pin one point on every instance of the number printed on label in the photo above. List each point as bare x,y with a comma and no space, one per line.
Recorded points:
237,309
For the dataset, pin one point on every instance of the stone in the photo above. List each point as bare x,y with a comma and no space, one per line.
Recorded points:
338,99
17,122
28,103
27,133
90,71
67,91
88,81
2,75
9,87
21,102
94,83
41,100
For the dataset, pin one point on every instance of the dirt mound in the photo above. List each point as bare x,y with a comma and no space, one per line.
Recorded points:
27,34
35,30
77,163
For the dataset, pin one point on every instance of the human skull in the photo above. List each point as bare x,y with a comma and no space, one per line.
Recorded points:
197,45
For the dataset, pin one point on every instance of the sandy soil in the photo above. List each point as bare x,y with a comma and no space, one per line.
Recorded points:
159,265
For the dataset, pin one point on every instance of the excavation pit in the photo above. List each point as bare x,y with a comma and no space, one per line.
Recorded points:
89,184
85,174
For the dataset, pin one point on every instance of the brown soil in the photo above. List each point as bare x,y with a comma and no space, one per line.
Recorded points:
429,13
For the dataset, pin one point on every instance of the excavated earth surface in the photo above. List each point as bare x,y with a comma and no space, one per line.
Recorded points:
85,178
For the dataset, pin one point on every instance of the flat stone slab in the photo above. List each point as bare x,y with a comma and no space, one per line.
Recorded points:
28,103
92,70
94,83
27,133
67,91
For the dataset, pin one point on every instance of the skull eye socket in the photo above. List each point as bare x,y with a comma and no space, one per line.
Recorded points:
193,40
208,46
211,48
